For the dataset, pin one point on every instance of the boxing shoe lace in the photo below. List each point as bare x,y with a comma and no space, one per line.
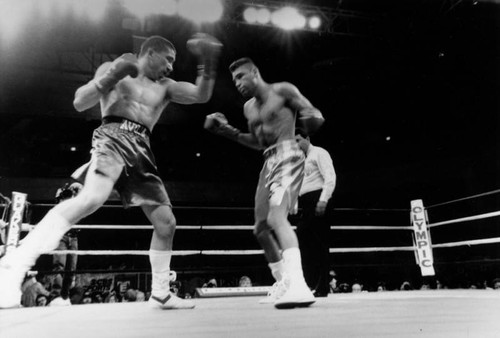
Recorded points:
277,290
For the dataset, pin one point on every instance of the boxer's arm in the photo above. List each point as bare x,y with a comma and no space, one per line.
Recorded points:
217,123
88,95
106,77
189,93
207,49
310,118
249,140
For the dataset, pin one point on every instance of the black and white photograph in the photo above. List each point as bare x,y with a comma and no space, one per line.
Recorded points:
261,168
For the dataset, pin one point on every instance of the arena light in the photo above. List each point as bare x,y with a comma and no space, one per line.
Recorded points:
169,7
250,15
91,9
263,16
288,18
314,22
48,8
13,15
144,8
201,11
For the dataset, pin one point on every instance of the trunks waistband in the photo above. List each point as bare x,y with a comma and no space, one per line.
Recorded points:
127,125
281,147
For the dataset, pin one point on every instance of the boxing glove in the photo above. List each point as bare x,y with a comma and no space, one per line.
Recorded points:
125,65
207,48
310,121
217,123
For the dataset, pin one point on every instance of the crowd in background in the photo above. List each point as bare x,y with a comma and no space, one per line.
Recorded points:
42,291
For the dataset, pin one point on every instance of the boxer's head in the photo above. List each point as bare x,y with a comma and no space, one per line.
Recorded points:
159,55
245,76
303,140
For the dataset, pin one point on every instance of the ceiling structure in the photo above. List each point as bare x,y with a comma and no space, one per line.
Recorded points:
409,90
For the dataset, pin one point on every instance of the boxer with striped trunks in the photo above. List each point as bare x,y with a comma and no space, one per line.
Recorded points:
271,113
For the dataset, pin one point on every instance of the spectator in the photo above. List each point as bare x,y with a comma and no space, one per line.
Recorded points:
406,286
245,282
130,295
87,298
175,287
76,295
41,300
66,262
496,284
212,283
97,297
333,282
31,289
381,287
56,297
425,286
110,297
55,292
141,296
356,288
440,285
344,288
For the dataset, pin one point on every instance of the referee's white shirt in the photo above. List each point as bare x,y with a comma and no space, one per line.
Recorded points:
319,173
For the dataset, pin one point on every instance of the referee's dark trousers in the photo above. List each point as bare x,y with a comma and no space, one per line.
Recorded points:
313,233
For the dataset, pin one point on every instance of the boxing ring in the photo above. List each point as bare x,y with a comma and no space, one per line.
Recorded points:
444,313
417,313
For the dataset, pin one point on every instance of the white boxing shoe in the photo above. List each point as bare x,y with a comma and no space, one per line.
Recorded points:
170,302
10,286
277,290
297,294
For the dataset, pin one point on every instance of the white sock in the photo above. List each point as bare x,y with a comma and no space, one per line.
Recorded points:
160,270
277,269
44,238
292,263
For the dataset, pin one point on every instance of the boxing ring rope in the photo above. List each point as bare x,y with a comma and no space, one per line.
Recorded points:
464,198
229,208
465,219
27,227
413,248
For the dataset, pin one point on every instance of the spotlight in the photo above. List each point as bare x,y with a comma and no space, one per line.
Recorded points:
314,22
13,17
263,16
143,8
200,11
92,9
288,18
250,15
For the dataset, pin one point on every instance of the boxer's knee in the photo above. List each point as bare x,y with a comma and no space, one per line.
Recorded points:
273,220
164,222
89,203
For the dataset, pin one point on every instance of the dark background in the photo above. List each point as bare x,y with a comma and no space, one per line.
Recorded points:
409,90
424,73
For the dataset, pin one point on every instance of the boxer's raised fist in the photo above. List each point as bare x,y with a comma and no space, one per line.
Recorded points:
204,45
125,65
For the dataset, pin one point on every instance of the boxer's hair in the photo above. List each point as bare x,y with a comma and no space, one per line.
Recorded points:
240,62
156,43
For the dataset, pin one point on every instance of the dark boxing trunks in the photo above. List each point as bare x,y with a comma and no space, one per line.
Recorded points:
121,145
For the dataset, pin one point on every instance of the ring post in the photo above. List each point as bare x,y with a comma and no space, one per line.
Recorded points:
422,238
15,220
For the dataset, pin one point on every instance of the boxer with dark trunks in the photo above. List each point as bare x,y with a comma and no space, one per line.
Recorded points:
271,113
132,92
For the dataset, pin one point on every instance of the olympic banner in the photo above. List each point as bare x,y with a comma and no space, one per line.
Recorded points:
15,220
422,238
